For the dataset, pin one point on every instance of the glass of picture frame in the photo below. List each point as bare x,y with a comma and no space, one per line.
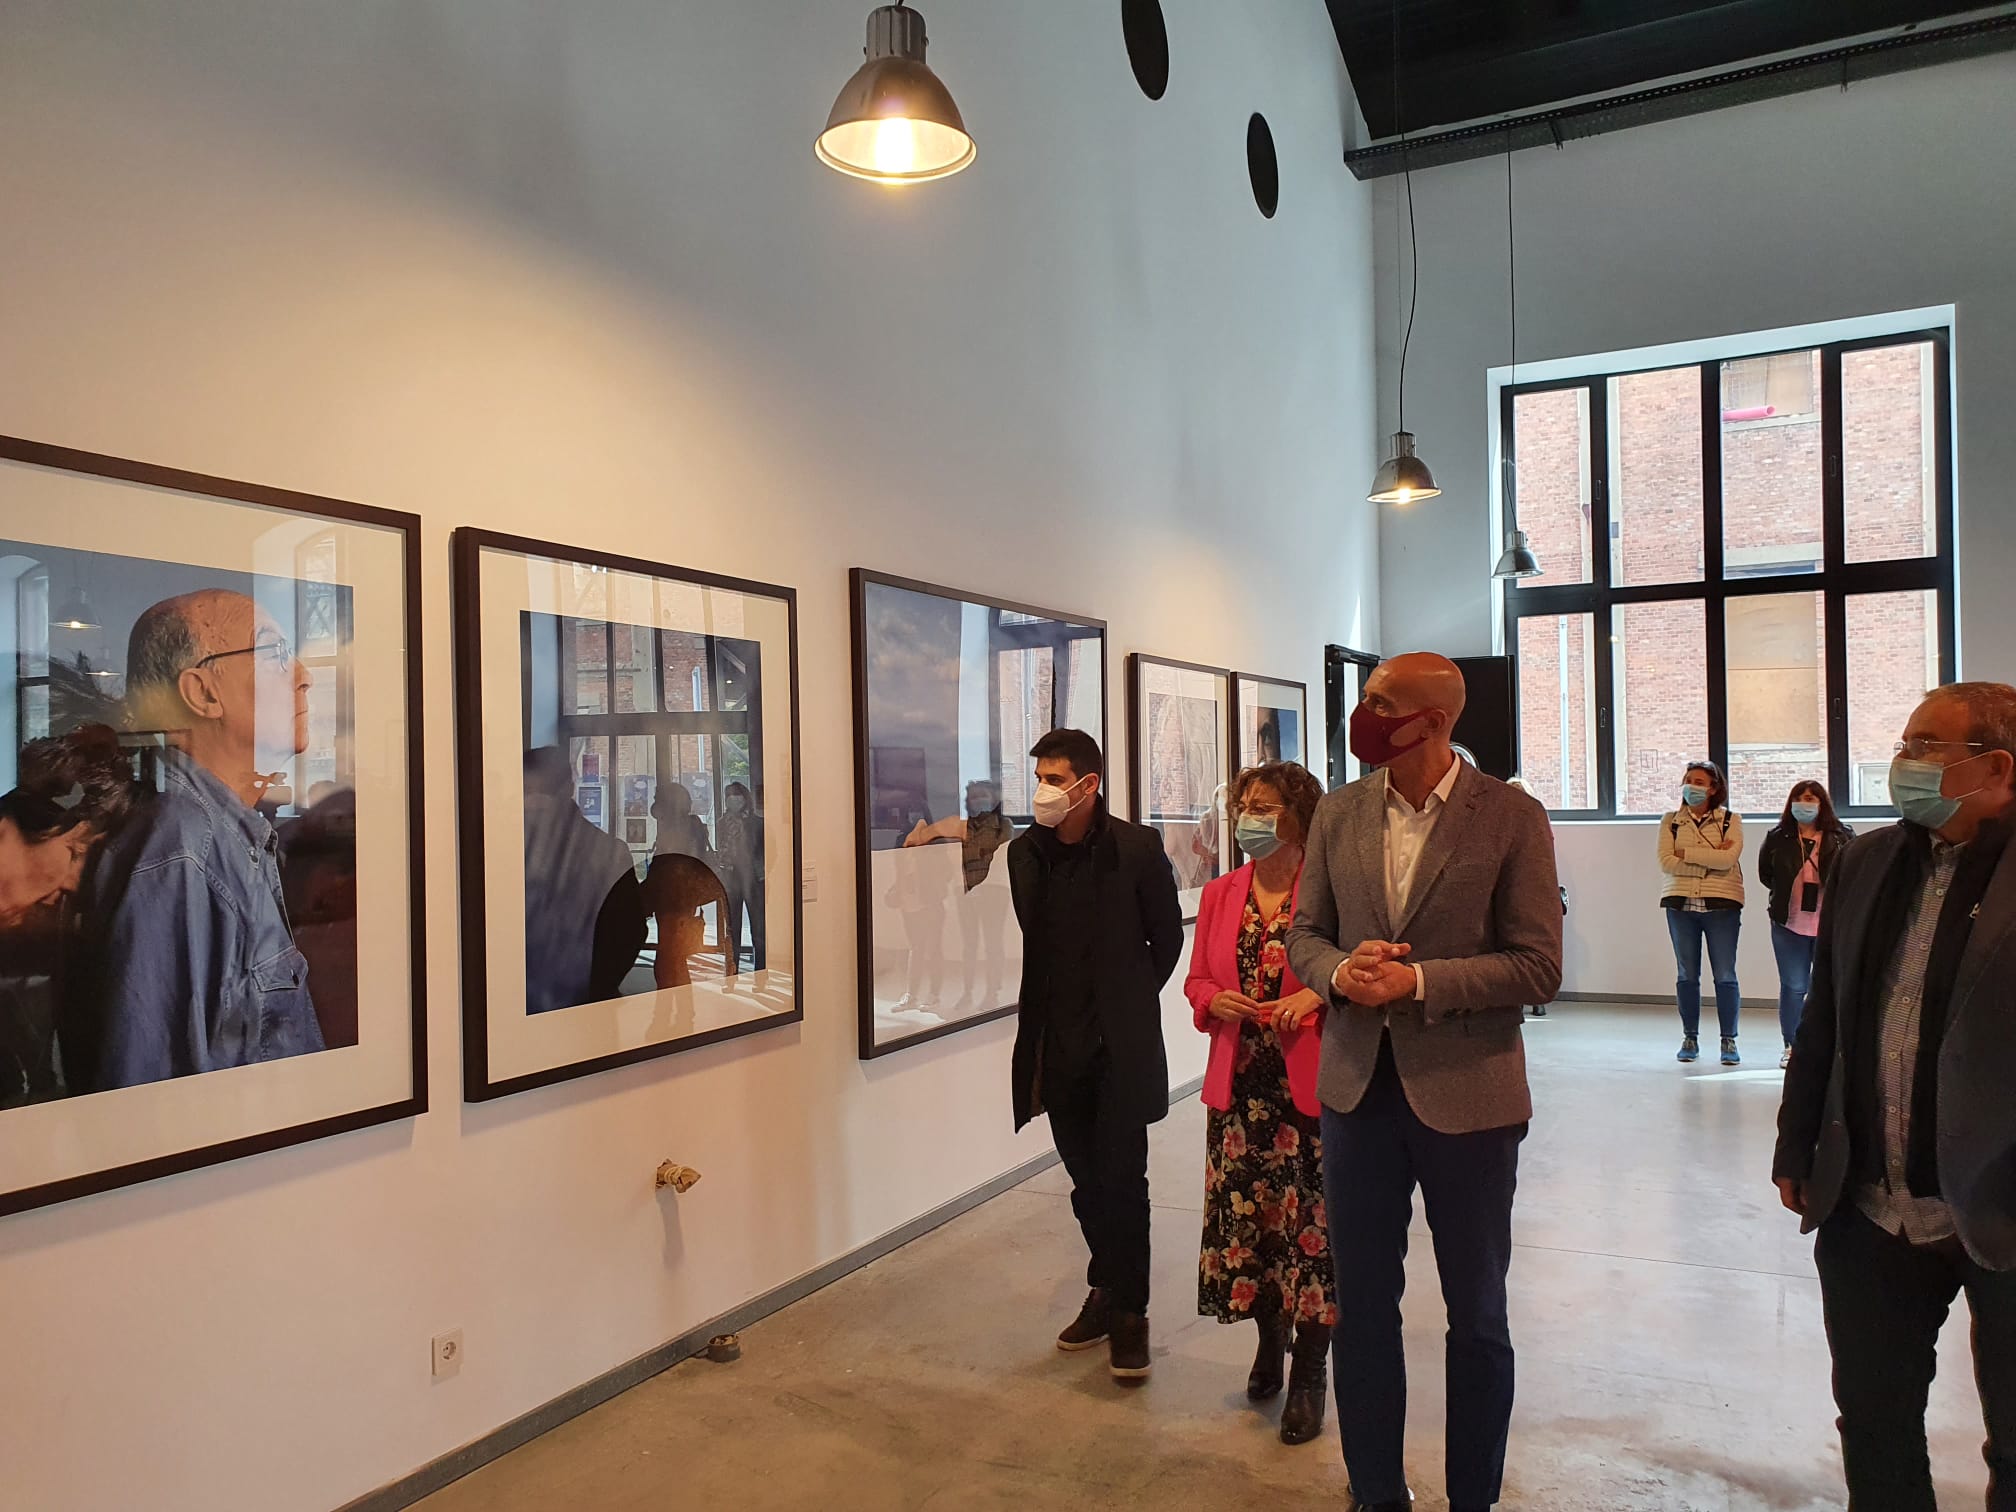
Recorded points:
951,689
1272,719
209,801
628,766
1178,723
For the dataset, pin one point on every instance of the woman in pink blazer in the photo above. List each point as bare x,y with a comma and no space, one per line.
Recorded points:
1266,1250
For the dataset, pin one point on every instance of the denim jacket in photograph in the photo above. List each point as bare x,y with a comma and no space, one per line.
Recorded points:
191,965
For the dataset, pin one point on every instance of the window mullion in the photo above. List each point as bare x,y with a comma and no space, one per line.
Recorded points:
1834,537
1713,564
1602,617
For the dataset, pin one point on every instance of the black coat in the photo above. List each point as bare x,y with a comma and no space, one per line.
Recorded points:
1140,941
1781,858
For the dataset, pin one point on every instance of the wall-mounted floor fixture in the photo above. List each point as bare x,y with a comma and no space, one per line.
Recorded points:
895,122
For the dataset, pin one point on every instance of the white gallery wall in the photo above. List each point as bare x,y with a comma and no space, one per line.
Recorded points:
573,271
1897,194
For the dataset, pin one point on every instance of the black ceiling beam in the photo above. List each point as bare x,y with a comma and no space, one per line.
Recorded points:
1834,67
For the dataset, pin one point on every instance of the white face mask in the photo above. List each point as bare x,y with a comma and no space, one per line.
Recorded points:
1053,805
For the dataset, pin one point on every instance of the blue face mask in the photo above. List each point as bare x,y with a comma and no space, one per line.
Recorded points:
1258,837
1806,813
1914,789
1693,796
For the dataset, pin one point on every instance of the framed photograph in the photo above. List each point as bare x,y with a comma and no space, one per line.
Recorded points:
1271,720
1178,719
592,938
950,691
197,828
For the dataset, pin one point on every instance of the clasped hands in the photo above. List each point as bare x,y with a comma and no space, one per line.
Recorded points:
1376,974
1291,1012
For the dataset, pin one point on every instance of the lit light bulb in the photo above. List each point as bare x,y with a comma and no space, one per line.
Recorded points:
1404,496
895,146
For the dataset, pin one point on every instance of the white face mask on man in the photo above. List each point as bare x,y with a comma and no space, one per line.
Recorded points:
1053,805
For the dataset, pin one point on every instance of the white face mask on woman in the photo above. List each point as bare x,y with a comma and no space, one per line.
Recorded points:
1053,805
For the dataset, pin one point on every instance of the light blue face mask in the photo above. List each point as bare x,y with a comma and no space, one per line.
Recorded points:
1694,796
1258,837
1806,813
1914,789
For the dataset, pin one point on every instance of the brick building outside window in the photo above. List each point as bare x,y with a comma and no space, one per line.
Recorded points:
1749,560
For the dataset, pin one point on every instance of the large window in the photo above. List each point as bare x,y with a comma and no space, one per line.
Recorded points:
1750,560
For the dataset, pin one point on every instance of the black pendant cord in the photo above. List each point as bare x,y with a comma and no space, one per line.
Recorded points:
1413,240
1511,261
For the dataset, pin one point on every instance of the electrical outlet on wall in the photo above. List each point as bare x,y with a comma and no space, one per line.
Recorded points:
447,1353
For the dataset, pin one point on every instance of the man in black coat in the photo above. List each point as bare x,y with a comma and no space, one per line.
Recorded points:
1897,1135
1101,932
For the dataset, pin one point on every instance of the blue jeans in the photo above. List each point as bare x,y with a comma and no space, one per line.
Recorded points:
1373,1159
1719,927
1795,976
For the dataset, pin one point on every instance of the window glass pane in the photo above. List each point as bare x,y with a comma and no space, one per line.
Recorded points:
632,677
1550,438
587,653
1557,709
1893,660
1771,465
1659,707
1889,451
683,665
1777,697
1655,477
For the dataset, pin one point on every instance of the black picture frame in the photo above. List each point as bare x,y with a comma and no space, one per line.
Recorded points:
467,550
406,527
1241,759
861,579
1138,747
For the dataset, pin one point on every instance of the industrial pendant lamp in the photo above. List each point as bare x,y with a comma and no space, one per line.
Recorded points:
895,122
1404,477
74,613
1518,560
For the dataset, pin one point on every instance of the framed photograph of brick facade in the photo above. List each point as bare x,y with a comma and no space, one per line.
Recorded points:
629,786
1747,559
951,689
1178,723
211,922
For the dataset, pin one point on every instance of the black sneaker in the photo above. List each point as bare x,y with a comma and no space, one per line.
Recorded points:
1090,1326
1129,1348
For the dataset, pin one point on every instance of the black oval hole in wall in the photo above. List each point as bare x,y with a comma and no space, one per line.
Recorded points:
1147,34
1262,166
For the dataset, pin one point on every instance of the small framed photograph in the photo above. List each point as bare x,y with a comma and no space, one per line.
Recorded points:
951,690
1178,726
594,939
1272,715
209,807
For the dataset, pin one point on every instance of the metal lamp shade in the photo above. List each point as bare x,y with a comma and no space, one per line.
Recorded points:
1404,477
1518,560
74,613
895,122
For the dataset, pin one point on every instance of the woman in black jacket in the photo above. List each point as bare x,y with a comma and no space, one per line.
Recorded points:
1795,861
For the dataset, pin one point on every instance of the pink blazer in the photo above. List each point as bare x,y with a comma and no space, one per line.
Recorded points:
1214,968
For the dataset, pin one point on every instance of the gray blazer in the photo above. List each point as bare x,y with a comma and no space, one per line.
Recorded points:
1484,918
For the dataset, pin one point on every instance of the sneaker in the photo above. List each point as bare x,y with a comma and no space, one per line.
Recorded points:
1729,1055
1785,1060
1129,1348
1090,1326
1690,1049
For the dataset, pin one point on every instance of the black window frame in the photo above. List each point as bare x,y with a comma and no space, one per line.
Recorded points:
1837,581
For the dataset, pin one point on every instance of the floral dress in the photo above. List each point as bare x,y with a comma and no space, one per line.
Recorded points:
1266,1242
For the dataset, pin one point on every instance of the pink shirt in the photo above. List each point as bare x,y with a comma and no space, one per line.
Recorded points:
1797,919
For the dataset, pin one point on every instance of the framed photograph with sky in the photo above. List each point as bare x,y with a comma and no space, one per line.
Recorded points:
1271,720
628,766
951,689
1178,722
209,799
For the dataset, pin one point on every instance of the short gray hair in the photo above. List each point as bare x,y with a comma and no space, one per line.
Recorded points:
1991,712
161,648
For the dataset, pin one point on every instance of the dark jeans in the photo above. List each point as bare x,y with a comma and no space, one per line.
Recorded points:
1720,928
1108,1161
1373,1158
1795,976
1886,1299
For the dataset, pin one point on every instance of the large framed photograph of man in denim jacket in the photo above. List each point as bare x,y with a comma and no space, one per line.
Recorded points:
199,824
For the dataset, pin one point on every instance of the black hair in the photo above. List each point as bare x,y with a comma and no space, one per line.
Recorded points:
80,778
1074,747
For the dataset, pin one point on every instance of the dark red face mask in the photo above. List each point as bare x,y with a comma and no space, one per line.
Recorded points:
1372,734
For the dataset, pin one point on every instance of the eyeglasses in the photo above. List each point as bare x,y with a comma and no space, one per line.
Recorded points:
1262,810
1921,746
275,653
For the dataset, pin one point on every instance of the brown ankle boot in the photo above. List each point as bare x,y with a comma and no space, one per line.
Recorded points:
1308,1384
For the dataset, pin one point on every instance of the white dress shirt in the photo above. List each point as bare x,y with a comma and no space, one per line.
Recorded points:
1407,832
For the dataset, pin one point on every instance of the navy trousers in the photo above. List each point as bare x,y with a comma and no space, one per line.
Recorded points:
1373,1158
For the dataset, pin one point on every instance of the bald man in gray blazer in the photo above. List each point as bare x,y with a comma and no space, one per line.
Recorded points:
1430,912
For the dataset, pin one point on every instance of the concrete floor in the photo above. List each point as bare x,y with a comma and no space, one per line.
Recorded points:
1664,1308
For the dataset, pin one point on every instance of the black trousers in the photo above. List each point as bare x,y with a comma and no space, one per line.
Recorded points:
1373,1158
1886,1300
1107,1158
